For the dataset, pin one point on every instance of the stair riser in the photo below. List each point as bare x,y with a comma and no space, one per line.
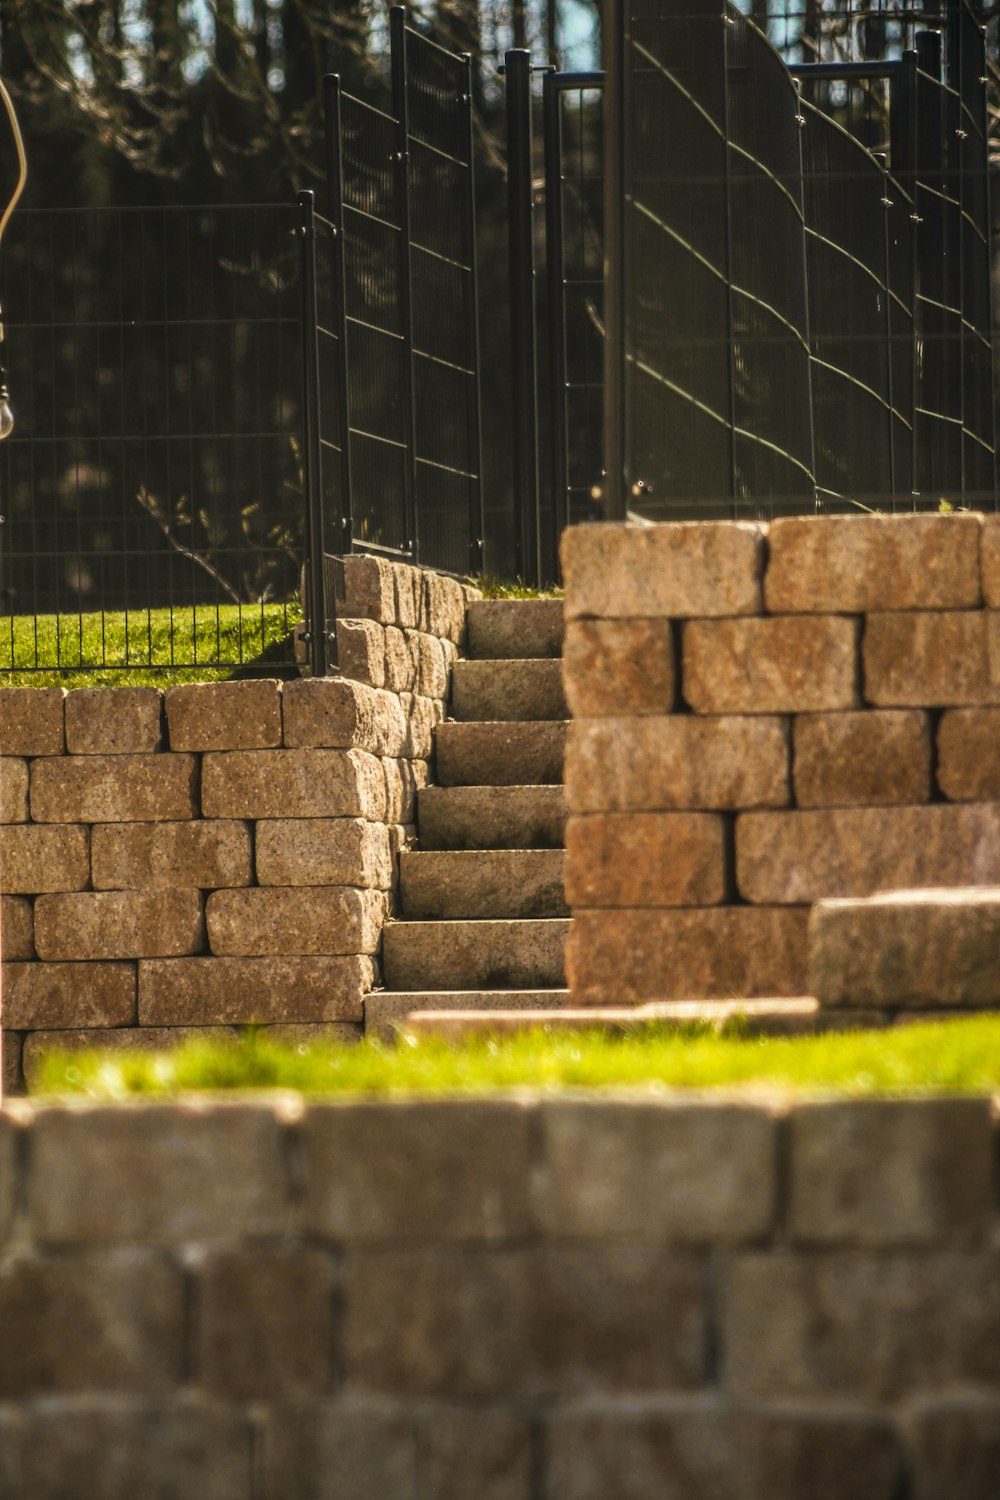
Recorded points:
509,691
499,754
528,817
475,956
482,884
505,628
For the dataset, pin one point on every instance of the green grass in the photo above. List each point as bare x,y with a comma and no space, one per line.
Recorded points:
961,1056
142,648
506,588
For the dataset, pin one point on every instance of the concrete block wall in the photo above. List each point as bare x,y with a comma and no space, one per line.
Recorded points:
765,716
532,1299
218,853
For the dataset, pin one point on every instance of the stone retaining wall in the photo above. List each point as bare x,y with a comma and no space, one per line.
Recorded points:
765,716
623,1298
218,853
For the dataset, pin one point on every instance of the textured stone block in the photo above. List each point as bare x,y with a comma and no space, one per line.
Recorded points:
352,1448
859,1325
797,1454
885,1172
635,1451
929,659
293,784
264,1324
444,604
400,673
854,564
648,1169
802,856
31,721
114,789
242,715
861,759
119,924
38,995
370,592
16,929
114,721
613,668
402,780
306,919
9,1133
361,651
937,948
955,1447
646,859
155,1173
792,664
244,991
479,1454
421,716
968,754
990,560
685,569
651,765
617,957
430,664
39,1045
323,851
397,1172
335,713
34,859
161,856
13,789
11,1047
107,1322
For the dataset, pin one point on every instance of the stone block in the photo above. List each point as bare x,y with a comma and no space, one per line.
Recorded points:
361,651
929,659
430,664
681,570
112,1321
444,606
640,1451
323,851
38,995
681,762
797,857
883,1172
13,789
295,920
422,715
17,931
349,1449
402,780
252,991
124,1446
673,1172
35,859
990,561
407,584
11,1077
39,1045
954,1444
370,592
264,1324
857,1325
504,629
293,784
400,674
907,949
9,1185
306,1034
798,1454
861,759
646,859
243,715
617,957
397,1172
114,789
855,564
158,1174
332,712
478,1454
119,924
791,664
614,668
31,721
968,754
161,856
114,721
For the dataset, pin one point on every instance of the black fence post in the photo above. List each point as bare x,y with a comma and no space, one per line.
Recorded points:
477,525
312,458
555,269
527,542
397,39
615,125
335,214
903,160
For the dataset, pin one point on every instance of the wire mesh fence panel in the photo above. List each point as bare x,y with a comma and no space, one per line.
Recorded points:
156,466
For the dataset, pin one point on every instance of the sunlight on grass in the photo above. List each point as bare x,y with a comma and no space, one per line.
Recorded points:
961,1056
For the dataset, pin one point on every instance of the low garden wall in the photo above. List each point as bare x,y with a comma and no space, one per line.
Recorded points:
218,853
514,1299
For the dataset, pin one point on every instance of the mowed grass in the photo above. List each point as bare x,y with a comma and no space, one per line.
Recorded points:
960,1056
154,647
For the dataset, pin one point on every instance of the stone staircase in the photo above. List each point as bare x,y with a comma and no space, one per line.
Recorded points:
483,920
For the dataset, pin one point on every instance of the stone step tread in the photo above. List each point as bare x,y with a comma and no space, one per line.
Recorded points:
494,953
500,754
482,883
507,690
507,628
795,1017
491,817
385,1010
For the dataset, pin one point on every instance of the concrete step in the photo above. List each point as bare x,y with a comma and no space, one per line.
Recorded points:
482,883
500,754
507,690
515,627
800,1017
386,1010
475,955
491,817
